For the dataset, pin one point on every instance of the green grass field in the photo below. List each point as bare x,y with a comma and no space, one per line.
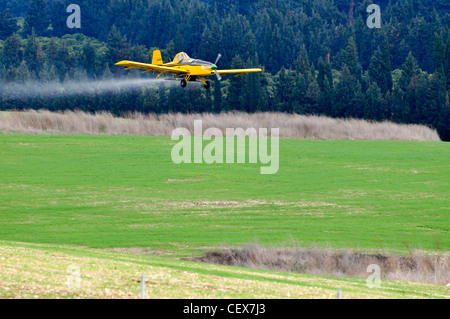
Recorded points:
123,191
44,271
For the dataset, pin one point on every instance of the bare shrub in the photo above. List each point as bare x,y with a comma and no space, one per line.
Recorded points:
318,261
291,125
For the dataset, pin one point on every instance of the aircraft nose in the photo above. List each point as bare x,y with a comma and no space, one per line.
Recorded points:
214,67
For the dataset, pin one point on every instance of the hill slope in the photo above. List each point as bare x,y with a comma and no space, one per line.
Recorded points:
49,271
125,191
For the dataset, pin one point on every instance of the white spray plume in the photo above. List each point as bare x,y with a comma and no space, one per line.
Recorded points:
37,89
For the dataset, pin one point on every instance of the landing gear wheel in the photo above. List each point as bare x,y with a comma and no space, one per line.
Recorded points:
183,83
207,85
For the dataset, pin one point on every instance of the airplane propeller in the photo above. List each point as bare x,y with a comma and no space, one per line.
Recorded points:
215,64
218,58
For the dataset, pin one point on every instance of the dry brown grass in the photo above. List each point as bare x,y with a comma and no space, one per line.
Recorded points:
291,125
318,261
43,271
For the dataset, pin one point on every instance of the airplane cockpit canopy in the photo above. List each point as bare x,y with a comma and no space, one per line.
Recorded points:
181,56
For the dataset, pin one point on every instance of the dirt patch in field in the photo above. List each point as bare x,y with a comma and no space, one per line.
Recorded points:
242,204
318,261
139,251
173,180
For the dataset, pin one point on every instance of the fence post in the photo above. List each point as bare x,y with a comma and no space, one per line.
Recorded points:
143,286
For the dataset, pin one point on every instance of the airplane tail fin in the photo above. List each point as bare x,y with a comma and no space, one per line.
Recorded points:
157,59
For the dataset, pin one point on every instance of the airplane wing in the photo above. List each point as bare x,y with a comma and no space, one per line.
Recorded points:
238,71
151,67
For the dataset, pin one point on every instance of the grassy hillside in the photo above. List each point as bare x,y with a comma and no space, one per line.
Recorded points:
123,191
45,271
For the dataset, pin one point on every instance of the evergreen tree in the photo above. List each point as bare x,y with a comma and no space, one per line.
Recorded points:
348,92
217,95
443,125
439,52
117,46
351,60
207,101
447,62
380,69
48,73
408,77
174,99
325,75
292,36
233,101
8,24
420,39
52,49
412,93
23,73
302,81
62,61
373,103
37,18
12,53
312,97
152,101
89,59
9,74
437,96
33,53
265,98
252,83
163,101
284,88
347,95
325,82
58,18
387,69
364,38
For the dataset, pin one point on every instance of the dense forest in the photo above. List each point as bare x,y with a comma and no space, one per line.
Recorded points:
318,56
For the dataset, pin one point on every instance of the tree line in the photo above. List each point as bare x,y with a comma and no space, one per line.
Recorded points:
319,56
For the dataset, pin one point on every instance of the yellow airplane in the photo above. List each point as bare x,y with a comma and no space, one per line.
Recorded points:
184,68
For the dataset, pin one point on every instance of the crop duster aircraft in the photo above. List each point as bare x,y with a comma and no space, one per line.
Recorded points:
184,68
